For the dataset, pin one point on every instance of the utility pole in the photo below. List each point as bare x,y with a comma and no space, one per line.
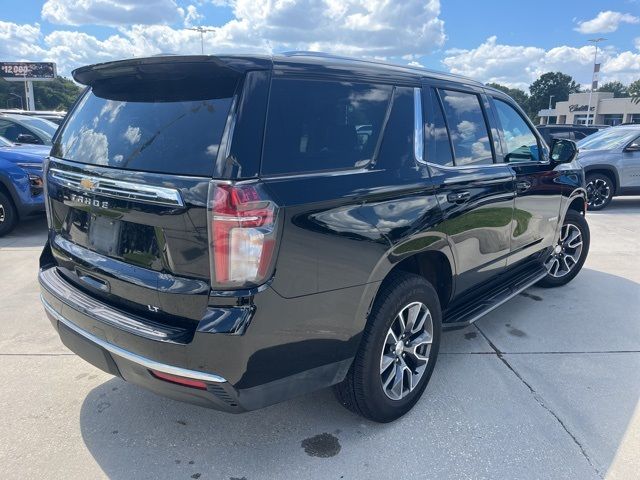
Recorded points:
202,31
596,71
28,94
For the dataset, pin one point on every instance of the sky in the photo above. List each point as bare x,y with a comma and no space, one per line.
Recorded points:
504,41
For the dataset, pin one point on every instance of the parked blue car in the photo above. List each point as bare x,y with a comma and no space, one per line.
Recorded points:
21,185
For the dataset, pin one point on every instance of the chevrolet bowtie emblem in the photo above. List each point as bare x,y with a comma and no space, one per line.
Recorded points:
87,184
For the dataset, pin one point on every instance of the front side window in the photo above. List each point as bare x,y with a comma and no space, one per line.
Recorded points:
522,144
467,127
322,125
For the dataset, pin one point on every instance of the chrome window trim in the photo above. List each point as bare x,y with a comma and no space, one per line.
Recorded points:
418,126
118,188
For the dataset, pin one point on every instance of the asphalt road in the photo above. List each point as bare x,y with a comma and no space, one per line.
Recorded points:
546,386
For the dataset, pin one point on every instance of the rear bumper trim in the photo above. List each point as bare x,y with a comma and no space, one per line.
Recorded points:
130,356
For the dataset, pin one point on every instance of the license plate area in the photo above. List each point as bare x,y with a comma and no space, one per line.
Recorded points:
104,235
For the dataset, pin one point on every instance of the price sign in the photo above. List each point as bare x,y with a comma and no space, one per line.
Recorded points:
20,71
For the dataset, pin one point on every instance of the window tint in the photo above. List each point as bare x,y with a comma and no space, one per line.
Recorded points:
396,149
436,134
467,128
522,144
322,125
41,124
10,130
153,127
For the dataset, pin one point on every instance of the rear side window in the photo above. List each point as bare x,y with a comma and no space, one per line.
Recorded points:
467,127
163,127
396,148
436,134
322,125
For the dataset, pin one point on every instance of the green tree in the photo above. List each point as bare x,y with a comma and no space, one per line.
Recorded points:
57,94
557,84
634,91
617,88
520,96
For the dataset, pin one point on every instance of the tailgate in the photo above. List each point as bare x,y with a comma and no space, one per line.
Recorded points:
131,239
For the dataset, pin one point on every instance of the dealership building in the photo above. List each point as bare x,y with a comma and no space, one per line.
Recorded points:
605,110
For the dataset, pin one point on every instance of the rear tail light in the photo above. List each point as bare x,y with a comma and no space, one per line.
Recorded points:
242,235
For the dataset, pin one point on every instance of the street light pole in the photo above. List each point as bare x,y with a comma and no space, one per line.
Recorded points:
202,31
595,41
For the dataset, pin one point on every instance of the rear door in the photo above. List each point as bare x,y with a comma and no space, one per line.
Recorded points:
127,187
475,192
538,185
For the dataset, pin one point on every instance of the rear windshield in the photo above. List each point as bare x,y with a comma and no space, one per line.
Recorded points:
165,127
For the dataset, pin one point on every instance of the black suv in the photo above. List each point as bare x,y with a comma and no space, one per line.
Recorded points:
232,231
568,131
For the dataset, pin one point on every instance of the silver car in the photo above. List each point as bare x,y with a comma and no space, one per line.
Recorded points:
611,161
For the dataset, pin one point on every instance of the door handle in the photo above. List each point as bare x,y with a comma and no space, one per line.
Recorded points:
458,197
523,185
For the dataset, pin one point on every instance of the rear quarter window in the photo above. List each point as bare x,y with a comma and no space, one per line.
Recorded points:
322,125
160,127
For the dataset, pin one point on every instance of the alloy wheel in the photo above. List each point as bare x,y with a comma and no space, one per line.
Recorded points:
406,350
598,192
566,253
2,213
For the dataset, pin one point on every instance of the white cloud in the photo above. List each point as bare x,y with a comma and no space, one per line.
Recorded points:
20,42
519,66
605,22
111,12
370,28
192,16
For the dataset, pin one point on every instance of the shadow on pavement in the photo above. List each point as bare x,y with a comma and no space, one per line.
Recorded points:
30,232
620,205
565,412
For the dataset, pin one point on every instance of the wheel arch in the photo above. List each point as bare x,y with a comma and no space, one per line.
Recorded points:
608,170
434,262
6,187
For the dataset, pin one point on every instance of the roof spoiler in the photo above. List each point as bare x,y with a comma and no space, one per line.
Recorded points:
171,67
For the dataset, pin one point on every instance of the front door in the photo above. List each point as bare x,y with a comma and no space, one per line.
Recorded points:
475,193
538,185
630,174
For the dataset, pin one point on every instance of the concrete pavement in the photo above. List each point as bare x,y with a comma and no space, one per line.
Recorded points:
546,386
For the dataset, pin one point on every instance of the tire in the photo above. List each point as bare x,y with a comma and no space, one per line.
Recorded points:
600,190
8,214
362,390
568,246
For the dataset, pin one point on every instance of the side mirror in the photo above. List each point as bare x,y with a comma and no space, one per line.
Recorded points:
563,151
26,138
633,147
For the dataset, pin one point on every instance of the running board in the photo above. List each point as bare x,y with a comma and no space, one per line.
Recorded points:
467,313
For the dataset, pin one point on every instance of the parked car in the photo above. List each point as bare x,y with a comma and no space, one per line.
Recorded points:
232,231
54,116
611,161
21,182
27,129
574,132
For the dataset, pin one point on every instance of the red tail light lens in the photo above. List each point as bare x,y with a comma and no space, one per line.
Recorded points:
242,235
